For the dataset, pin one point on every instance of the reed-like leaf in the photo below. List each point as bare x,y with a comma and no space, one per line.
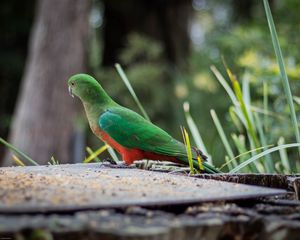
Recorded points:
130,88
268,163
195,131
187,143
297,100
284,157
18,161
239,95
235,119
247,95
225,85
266,105
14,149
297,170
240,144
113,154
228,163
243,154
96,153
262,154
284,77
53,161
91,152
230,93
222,135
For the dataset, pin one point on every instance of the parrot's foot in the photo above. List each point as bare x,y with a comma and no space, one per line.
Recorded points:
116,165
110,160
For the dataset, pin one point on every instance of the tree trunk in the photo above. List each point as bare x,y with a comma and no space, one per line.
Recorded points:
13,45
43,122
164,20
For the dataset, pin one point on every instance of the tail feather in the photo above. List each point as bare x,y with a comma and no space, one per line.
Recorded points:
198,152
207,167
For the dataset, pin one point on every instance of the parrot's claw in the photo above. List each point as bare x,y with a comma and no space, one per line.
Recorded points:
111,161
116,165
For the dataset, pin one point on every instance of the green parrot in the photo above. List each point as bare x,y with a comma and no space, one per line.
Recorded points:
126,131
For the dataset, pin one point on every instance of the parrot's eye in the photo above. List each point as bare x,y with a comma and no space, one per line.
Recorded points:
72,83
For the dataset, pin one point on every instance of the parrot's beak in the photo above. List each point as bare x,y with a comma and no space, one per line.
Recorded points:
70,92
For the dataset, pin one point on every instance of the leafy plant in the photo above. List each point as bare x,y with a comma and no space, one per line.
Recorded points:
246,117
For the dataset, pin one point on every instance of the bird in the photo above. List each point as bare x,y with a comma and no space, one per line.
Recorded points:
130,134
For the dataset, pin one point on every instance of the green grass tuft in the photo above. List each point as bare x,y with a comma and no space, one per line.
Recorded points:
17,151
223,138
262,154
284,77
195,132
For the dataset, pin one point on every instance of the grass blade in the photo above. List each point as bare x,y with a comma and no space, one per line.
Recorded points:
284,157
228,163
268,113
14,149
225,85
243,154
297,167
246,95
195,131
240,143
284,77
128,85
113,154
269,165
18,161
199,160
239,95
266,104
230,93
90,152
187,143
262,154
53,161
240,109
222,135
96,153
235,119
297,100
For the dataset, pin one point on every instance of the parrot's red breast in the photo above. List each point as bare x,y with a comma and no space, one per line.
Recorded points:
131,155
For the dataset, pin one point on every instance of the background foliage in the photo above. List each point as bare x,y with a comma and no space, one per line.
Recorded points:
165,75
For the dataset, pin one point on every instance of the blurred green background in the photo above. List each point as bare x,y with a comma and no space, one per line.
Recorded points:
166,49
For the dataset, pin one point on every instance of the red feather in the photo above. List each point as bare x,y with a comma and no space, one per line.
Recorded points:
131,155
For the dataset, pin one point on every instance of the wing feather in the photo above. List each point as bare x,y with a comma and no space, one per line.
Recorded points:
133,131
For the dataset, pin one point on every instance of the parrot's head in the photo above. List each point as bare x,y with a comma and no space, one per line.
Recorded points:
86,88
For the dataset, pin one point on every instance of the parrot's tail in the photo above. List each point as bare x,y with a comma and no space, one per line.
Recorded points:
200,153
207,168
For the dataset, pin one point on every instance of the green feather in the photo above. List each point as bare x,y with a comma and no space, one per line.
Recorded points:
131,130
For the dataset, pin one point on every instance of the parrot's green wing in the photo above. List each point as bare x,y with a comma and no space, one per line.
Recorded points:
132,131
